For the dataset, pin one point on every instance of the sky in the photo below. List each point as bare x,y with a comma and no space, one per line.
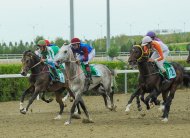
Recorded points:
26,19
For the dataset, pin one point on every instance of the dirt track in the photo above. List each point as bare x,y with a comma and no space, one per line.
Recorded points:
40,123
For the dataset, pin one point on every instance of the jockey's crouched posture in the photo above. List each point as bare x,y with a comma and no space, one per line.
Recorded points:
86,53
160,52
47,55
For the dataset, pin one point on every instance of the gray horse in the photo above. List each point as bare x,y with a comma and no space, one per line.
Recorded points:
77,83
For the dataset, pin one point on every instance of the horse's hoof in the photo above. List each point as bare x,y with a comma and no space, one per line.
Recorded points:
87,121
67,123
165,120
161,108
140,109
58,117
76,116
71,99
23,111
143,114
49,100
151,105
127,110
148,107
65,105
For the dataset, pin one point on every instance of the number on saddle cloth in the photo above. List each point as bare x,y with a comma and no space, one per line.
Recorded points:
170,71
93,69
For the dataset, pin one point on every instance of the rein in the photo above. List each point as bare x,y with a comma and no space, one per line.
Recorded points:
35,65
42,71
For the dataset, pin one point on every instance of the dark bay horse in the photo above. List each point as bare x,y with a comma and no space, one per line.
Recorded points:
77,81
150,80
40,82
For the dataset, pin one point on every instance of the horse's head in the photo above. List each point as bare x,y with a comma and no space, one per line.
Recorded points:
136,54
65,54
29,59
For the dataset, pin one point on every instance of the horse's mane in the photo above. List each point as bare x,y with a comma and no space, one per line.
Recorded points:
31,52
66,47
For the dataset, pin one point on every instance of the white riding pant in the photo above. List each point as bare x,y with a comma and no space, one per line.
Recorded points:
160,63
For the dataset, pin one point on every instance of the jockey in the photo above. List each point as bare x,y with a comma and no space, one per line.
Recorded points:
86,53
160,52
48,43
153,36
47,55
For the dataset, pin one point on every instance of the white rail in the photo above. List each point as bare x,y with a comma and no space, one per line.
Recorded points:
117,71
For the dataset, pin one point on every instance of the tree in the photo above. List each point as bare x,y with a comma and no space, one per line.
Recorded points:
37,39
59,41
113,51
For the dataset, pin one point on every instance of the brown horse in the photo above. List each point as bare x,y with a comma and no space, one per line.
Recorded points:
150,80
40,81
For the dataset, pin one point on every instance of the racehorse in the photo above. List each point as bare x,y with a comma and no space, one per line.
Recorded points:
40,81
78,84
150,80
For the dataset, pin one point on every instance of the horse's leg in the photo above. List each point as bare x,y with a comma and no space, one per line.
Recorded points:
105,99
138,103
76,101
88,120
152,95
111,99
168,103
46,100
137,92
27,91
78,107
164,97
35,94
61,104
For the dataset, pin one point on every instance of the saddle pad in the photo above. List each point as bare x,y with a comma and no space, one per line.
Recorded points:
61,75
94,71
170,71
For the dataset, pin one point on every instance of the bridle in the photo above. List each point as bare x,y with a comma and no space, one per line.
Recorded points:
35,65
142,53
72,61
142,56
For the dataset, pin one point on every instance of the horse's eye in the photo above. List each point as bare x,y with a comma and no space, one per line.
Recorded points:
65,52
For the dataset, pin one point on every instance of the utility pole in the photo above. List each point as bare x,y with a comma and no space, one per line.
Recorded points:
71,19
108,26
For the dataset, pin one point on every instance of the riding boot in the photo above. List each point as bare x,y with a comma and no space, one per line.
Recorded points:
166,81
88,75
56,77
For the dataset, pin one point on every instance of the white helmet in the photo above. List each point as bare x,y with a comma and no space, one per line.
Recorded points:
146,40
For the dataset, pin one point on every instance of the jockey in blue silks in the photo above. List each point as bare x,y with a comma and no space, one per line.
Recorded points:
86,53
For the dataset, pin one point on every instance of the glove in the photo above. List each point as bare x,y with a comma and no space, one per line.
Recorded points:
78,61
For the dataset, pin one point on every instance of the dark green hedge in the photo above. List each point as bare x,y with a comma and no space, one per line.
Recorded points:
11,89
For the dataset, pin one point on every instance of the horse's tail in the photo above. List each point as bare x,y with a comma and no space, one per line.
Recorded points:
114,83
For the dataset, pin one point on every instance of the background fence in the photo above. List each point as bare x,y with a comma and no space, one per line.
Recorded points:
117,71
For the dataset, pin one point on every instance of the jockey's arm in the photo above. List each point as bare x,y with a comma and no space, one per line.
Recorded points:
146,50
85,51
158,48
